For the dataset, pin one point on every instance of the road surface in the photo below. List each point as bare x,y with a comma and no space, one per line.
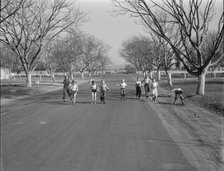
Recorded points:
41,133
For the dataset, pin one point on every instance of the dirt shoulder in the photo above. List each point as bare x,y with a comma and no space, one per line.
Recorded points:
198,132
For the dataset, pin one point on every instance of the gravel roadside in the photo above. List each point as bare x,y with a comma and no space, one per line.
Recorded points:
197,131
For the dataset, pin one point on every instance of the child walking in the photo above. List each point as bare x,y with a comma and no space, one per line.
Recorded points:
74,88
93,88
154,90
103,88
147,82
138,86
123,85
66,87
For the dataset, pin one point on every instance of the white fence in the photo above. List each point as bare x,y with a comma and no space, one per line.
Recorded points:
180,72
183,74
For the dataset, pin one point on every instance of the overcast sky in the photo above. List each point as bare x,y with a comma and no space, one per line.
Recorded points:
110,29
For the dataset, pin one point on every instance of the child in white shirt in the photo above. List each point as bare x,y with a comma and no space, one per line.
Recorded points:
147,82
103,88
123,85
154,90
74,89
93,88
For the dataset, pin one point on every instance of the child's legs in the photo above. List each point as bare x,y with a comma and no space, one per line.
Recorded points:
94,96
175,98
102,96
74,96
122,92
69,92
136,91
181,98
64,92
140,92
156,93
147,88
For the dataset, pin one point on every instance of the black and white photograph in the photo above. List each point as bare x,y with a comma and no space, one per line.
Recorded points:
112,85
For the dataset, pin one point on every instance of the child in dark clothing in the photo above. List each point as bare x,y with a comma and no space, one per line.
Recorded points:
138,86
66,87
178,93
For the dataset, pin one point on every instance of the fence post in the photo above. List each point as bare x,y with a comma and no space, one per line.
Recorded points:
214,74
185,75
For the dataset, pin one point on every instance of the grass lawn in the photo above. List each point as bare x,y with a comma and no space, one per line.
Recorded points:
12,91
13,88
213,99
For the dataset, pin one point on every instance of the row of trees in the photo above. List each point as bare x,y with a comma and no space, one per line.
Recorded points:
46,32
183,27
149,53
76,52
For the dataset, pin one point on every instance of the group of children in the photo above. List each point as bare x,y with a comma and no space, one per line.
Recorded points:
102,88
148,84
72,88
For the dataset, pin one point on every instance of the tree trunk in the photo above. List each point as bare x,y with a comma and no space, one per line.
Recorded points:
158,75
170,79
151,75
72,76
201,84
53,77
82,73
71,72
28,79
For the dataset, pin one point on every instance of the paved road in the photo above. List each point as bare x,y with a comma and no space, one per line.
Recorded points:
44,134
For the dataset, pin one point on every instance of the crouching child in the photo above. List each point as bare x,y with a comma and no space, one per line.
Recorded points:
178,94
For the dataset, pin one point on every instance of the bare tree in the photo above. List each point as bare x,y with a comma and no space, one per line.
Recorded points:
33,26
192,19
54,57
92,51
99,65
138,52
73,50
8,8
162,56
8,60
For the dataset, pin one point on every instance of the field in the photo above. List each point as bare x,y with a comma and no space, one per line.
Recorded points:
12,89
213,99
